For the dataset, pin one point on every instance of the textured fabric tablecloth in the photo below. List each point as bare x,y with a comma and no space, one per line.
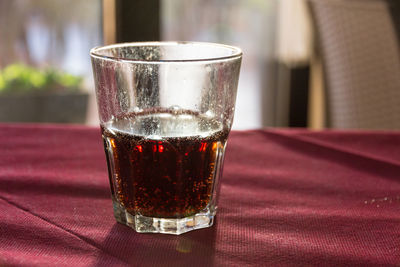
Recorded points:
288,197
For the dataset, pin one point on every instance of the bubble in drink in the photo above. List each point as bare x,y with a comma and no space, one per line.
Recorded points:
163,163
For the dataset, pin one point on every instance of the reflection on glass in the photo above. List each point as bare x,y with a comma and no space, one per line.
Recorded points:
247,24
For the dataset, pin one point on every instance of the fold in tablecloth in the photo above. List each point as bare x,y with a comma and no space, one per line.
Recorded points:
288,197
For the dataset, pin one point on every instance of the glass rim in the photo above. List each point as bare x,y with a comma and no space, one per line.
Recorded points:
236,51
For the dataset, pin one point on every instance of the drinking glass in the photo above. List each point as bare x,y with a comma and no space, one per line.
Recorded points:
165,109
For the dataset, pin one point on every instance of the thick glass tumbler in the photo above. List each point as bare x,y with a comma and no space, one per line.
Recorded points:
166,109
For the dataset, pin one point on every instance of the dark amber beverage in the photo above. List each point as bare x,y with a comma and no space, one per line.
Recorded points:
163,164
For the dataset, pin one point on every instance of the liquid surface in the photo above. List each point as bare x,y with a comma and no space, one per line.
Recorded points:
163,164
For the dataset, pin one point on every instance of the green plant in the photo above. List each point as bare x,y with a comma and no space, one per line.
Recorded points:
19,78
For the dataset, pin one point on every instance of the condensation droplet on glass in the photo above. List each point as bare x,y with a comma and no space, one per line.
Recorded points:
137,109
209,114
175,109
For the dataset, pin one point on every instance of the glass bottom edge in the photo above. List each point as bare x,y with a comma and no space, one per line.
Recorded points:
143,224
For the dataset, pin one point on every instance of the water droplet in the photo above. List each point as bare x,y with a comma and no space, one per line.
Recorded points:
137,109
175,109
209,114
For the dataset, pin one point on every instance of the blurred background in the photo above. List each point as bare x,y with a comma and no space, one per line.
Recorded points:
307,63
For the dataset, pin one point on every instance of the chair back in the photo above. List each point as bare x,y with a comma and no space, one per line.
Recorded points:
361,59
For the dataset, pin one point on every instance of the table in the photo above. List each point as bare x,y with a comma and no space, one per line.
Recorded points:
288,197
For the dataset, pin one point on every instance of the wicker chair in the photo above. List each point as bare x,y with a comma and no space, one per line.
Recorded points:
361,59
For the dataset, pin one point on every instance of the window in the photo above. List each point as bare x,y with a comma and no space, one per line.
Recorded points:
45,43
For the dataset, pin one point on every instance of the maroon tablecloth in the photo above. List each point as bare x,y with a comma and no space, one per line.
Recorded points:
288,197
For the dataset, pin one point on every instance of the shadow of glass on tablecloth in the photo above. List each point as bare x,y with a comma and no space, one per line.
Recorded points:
123,246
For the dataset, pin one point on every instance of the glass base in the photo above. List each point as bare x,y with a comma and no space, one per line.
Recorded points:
143,224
